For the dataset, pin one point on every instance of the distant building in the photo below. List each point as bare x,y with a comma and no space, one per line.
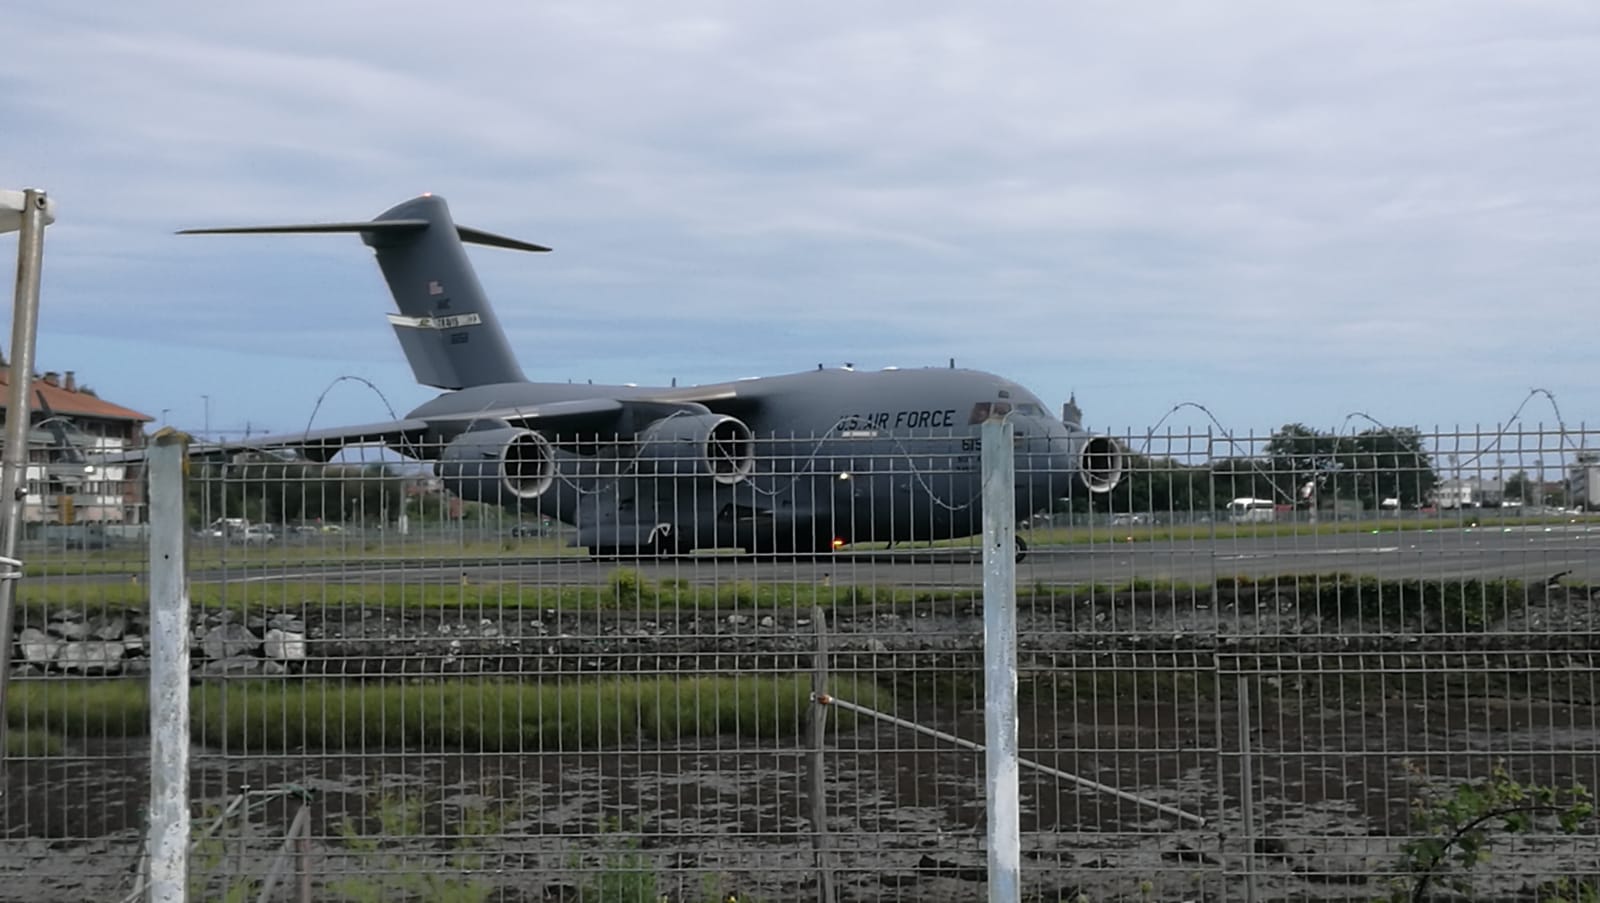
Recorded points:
60,491
1471,492
1070,412
1584,478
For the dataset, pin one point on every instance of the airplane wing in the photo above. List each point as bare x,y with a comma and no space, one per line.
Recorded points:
725,399
596,413
421,437
316,445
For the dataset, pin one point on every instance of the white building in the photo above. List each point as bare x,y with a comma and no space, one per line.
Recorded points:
1581,476
1471,492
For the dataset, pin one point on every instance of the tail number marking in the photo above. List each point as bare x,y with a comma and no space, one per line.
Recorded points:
455,322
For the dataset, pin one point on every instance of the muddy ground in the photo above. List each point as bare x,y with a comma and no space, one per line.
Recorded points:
1346,723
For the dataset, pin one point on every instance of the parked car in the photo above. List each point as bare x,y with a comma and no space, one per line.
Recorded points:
255,535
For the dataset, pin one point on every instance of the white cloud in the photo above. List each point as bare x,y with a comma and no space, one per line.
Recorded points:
1199,194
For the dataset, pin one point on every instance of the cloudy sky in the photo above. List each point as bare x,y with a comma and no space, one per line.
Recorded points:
1281,211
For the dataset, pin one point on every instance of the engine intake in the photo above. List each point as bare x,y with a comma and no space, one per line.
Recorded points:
1100,463
492,465
713,445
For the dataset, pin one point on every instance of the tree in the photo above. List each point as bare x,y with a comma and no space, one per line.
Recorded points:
1520,486
1302,459
1237,478
1370,466
282,492
1392,463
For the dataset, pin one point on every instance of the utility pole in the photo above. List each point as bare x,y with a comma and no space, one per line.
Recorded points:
27,213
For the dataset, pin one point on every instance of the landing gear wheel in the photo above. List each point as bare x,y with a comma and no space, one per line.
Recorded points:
1022,548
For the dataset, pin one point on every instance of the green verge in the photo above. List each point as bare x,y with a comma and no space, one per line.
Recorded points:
135,559
267,716
32,744
1428,605
365,550
624,588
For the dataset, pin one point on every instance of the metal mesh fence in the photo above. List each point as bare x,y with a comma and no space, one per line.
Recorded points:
1289,666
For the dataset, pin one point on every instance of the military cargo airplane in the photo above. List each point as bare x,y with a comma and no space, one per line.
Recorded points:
796,463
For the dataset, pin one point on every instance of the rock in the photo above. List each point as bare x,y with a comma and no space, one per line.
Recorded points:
89,656
227,641
738,620
286,622
38,647
71,630
285,646
235,664
768,621
133,644
109,628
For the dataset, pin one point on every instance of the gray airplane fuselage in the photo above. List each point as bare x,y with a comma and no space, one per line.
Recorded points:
842,456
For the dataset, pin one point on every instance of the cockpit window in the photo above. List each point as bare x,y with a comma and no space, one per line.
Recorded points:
982,410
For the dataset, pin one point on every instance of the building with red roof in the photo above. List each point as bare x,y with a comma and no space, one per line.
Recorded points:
62,487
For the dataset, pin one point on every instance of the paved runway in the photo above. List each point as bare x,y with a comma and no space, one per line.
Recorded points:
1528,553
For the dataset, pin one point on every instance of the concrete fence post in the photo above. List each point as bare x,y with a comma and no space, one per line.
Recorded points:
169,673
1002,786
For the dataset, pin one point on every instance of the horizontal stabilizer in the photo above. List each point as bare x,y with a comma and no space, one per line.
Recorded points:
388,225
480,237
392,226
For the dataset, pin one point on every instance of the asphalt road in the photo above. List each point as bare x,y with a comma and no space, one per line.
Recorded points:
1529,553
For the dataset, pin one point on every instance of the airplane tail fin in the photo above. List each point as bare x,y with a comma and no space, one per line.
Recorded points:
446,327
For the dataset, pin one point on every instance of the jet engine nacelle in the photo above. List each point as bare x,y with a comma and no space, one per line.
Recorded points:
1100,463
712,445
498,465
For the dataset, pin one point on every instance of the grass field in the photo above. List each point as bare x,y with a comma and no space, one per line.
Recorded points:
485,715
1469,604
134,560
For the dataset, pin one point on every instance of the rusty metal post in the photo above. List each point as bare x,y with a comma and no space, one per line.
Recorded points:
32,213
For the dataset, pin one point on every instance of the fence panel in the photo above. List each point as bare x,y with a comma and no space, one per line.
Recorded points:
407,688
